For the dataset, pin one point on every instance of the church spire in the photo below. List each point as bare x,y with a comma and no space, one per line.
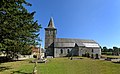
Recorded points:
51,23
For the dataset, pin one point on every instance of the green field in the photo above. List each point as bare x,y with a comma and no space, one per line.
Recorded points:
62,66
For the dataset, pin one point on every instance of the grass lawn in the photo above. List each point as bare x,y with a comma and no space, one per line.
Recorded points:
62,66
110,56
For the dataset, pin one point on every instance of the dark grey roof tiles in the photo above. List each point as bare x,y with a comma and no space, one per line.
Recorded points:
64,44
74,40
80,44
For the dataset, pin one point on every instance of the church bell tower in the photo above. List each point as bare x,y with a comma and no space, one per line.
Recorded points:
50,35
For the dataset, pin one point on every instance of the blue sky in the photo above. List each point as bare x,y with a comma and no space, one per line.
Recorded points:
84,19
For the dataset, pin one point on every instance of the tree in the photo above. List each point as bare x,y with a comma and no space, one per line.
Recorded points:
110,50
104,49
18,30
116,50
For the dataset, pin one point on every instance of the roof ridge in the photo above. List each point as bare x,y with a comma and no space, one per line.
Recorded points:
75,39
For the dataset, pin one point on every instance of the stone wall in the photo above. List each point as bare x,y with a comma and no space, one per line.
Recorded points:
92,52
62,52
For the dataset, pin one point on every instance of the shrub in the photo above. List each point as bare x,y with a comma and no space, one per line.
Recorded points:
107,53
34,56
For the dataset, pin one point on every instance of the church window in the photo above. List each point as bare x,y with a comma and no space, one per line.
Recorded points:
49,32
61,51
92,50
68,51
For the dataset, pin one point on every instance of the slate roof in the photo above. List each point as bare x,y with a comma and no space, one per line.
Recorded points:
66,42
73,40
51,23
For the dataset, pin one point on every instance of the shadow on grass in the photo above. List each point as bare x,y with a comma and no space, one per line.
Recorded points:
20,72
3,68
116,62
4,59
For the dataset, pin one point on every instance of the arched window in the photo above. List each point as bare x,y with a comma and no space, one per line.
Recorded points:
49,32
68,51
92,50
61,51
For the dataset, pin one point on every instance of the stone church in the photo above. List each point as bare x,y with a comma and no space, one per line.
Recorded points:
61,47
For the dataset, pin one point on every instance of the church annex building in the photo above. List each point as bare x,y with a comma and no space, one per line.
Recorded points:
61,47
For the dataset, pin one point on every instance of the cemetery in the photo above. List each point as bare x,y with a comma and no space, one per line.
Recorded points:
63,65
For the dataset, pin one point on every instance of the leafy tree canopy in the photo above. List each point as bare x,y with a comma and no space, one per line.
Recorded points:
18,30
